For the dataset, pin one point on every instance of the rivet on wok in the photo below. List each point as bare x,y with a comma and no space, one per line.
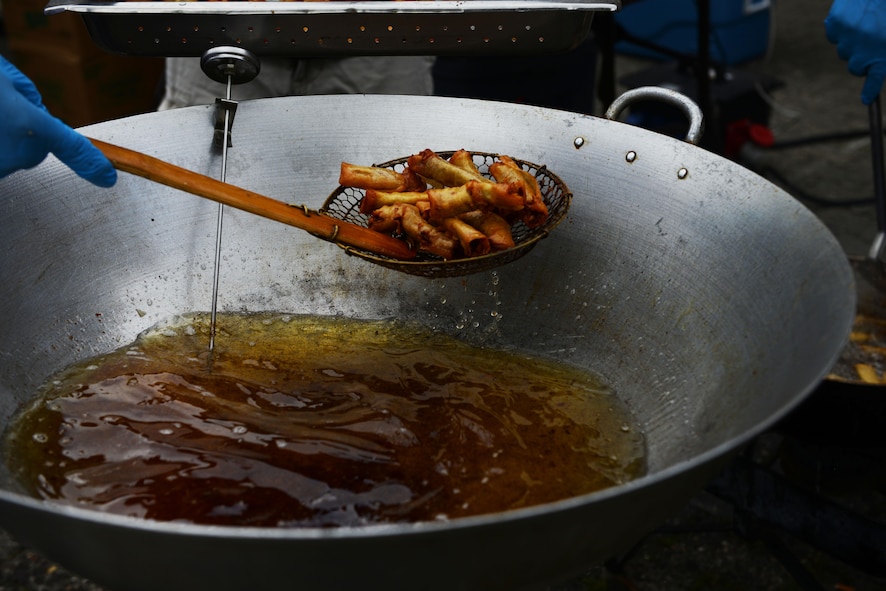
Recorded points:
631,156
578,142
682,173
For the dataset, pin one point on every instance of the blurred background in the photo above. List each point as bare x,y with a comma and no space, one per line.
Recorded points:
80,83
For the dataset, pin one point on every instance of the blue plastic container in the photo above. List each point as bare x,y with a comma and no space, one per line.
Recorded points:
740,29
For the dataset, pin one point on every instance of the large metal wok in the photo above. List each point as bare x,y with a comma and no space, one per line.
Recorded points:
712,301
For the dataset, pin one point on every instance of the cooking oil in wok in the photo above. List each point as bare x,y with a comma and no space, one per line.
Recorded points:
318,421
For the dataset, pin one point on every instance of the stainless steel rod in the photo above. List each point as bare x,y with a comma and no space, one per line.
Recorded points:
216,272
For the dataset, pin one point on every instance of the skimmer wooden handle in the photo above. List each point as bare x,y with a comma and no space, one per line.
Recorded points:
321,226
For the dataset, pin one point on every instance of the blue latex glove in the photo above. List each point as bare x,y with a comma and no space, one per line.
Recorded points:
28,133
858,28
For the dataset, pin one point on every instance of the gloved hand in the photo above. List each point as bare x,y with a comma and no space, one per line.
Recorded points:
858,28
28,133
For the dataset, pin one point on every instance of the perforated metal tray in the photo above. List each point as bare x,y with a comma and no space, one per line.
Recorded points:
338,28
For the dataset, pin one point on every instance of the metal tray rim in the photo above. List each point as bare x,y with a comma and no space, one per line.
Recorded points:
332,7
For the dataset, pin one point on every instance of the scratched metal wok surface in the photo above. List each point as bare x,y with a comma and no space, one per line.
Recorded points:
711,300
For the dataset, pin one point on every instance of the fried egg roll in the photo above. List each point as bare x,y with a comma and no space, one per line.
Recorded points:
473,242
404,218
464,160
449,201
494,227
386,219
535,212
429,238
371,177
375,199
430,165
502,196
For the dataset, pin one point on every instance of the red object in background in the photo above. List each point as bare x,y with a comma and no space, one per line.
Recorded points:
739,133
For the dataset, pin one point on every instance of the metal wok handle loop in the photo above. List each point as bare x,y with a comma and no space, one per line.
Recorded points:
682,102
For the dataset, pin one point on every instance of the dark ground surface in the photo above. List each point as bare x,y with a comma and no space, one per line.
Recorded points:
709,545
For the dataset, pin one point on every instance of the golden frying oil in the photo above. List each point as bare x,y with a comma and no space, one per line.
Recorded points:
318,421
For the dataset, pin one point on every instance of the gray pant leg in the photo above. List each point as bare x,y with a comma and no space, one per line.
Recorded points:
365,75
